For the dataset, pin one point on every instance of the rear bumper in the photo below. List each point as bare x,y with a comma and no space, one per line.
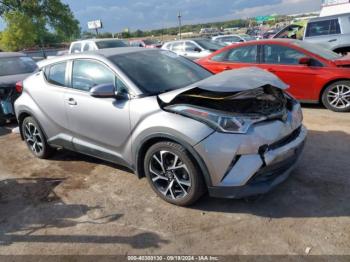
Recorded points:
263,171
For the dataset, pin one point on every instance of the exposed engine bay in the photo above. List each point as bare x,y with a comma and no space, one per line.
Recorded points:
265,101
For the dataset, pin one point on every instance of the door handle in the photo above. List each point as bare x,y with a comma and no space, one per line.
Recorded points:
271,70
227,68
71,101
332,40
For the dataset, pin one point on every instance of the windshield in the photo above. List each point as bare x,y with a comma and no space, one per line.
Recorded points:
150,42
209,44
159,71
110,44
17,66
318,50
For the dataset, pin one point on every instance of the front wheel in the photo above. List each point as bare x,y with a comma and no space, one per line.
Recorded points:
173,174
336,97
35,138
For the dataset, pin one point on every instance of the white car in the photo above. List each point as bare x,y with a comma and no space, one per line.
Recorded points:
232,39
95,44
193,48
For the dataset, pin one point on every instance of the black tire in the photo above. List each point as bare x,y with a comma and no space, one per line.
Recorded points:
34,136
190,174
329,96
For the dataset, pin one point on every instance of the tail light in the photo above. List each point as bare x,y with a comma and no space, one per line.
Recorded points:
19,87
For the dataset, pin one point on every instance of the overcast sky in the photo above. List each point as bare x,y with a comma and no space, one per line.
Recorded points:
152,14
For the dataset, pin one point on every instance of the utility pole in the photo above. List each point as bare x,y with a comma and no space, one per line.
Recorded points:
179,17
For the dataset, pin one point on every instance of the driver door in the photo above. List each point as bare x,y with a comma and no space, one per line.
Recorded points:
283,61
100,126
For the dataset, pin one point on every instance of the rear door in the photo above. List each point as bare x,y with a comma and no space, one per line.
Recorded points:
284,62
100,126
50,96
234,58
325,33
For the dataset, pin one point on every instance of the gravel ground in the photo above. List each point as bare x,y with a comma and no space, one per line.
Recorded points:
78,205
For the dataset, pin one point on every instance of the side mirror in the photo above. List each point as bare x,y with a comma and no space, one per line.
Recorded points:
103,91
305,61
197,49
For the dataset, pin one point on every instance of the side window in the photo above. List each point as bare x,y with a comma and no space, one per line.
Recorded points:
335,27
168,47
88,47
276,54
87,74
190,47
327,27
56,74
221,56
137,44
76,48
120,86
246,54
178,47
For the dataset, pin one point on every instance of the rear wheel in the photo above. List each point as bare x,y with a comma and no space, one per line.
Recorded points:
336,97
35,138
172,174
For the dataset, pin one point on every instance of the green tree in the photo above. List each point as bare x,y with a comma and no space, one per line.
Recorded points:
48,16
20,32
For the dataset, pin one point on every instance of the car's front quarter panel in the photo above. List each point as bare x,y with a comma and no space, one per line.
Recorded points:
149,121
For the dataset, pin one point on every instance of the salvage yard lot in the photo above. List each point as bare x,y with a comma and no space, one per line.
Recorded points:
74,204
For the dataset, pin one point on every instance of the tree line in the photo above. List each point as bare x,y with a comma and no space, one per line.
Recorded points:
31,23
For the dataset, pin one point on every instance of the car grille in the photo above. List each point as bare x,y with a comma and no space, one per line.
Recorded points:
286,140
269,173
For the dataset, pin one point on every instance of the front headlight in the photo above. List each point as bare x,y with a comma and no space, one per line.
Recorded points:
218,121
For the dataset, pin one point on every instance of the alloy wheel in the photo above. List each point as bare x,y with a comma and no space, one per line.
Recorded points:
339,96
33,138
169,175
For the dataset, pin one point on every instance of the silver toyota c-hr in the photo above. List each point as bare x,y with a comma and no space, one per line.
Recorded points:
235,134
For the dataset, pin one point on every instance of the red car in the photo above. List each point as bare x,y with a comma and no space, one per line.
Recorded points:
314,74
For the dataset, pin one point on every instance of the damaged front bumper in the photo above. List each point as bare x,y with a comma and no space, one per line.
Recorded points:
252,164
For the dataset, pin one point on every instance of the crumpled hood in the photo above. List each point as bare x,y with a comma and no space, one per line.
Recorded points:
230,82
11,80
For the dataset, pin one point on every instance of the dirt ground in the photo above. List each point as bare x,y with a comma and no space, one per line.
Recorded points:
78,205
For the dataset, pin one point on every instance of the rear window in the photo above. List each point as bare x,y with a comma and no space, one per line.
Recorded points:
150,42
209,45
110,44
17,66
326,27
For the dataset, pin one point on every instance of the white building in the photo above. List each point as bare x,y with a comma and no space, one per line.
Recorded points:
335,7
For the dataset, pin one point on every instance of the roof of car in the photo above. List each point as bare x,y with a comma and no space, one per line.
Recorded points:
97,40
188,39
11,54
267,41
322,18
108,52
